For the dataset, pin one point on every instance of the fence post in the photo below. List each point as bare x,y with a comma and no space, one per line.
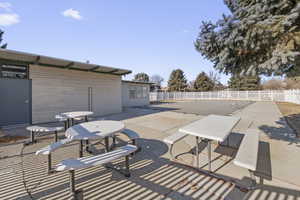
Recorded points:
259,95
272,95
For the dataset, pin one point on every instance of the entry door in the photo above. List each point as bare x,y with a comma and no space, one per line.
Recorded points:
15,101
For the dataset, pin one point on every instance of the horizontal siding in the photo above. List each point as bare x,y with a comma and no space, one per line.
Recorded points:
60,90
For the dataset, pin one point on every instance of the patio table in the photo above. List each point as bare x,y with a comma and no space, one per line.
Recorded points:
94,130
70,116
212,127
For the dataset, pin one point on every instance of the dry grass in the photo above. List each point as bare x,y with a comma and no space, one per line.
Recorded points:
291,112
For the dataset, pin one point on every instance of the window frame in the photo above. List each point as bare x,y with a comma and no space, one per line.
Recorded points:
12,65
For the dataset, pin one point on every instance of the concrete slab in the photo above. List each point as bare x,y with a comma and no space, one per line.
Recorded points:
154,176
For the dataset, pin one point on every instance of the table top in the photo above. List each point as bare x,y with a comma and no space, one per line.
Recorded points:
76,114
94,130
212,127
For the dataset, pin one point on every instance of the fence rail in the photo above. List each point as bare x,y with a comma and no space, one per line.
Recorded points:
292,96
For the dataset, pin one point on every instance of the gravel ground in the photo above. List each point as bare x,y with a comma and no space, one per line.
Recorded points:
204,107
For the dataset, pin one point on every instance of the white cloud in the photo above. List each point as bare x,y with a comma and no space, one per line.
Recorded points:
5,5
9,19
72,13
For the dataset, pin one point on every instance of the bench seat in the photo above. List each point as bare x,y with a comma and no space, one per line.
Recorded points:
89,161
132,135
247,154
73,164
42,129
174,137
248,150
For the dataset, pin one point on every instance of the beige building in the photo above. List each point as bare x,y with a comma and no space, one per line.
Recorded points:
135,93
35,88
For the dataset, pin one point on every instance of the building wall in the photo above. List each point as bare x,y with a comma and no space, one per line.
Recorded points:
130,102
57,90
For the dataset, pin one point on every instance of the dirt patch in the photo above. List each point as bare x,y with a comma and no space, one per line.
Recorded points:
10,139
291,113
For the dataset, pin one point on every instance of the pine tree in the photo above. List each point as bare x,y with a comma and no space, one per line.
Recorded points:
203,83
141,77
2,46
244,83
261,36
177,81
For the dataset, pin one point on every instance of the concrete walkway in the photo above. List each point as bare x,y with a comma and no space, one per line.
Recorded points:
280,139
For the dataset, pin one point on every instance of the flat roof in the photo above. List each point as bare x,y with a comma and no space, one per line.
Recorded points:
17,57
137,82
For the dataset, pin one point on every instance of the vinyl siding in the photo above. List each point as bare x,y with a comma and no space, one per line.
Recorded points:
57,90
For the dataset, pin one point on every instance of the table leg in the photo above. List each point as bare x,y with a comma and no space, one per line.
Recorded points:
72,122
55,136
209,154
32,136
86,118
87,145
197,151
80,149
72,181
67,123
106,140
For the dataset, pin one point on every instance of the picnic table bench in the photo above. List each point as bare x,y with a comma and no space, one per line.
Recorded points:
42,129
247,154
172,139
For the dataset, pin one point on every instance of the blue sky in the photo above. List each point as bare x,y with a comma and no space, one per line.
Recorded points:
145,36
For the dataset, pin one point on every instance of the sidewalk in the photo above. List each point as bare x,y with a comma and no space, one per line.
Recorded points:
284,146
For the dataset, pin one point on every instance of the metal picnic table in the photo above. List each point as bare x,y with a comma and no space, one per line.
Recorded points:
94,130
212,127
70,116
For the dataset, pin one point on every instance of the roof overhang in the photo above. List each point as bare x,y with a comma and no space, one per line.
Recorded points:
17,57
137,82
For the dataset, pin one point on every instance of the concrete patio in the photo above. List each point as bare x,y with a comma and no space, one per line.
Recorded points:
154,176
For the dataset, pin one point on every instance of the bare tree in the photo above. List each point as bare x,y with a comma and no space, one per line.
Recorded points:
157,79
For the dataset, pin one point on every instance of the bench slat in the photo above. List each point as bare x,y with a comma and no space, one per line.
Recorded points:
73,164
44,129
174,137
131,134
248,150
52,147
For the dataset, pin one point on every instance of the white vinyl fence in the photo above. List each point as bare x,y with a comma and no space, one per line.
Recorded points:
292,96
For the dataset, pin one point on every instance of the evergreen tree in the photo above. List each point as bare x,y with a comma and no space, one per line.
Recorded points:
2,46
177,81
203,83
244,82
141,77
261,36
293,72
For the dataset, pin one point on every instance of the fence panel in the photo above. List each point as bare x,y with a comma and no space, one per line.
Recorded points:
292,96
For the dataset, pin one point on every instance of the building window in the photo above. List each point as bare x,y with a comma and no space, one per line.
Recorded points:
13,71
138,92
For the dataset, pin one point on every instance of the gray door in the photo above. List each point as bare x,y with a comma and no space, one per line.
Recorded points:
15,101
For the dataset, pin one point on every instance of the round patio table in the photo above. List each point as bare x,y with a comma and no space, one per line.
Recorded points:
94,130
70,116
